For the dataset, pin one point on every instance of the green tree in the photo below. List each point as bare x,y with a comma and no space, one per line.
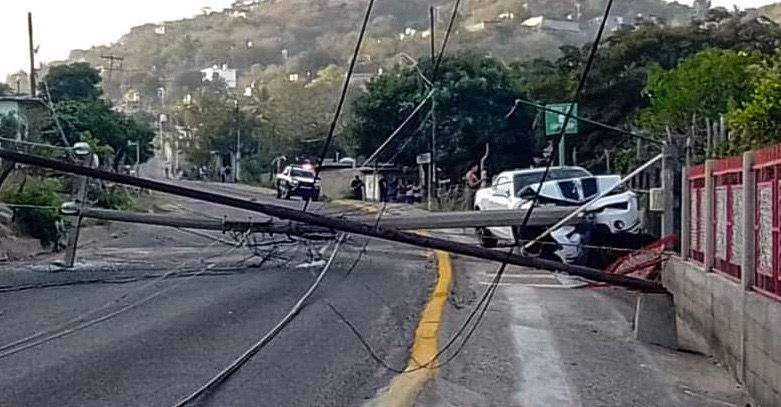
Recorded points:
706,85
474,95
215,116
85,116
5,89
757,122
97,122
9,125
73,82
614,94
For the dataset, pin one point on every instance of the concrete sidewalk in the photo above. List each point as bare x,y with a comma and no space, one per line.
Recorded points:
543,346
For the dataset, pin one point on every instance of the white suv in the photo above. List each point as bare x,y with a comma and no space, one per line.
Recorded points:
564,186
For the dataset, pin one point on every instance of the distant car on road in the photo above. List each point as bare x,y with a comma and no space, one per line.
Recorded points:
565,186
297,181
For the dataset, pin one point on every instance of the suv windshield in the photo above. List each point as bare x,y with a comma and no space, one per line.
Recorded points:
521,181
296,172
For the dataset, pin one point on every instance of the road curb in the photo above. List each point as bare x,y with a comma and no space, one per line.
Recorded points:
405,388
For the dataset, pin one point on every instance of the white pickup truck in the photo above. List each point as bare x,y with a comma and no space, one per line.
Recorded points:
565,186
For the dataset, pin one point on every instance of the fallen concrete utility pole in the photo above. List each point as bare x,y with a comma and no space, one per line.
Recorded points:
543,217
268,226
337,224
434,221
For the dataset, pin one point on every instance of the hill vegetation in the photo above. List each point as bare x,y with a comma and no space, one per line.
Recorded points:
273,38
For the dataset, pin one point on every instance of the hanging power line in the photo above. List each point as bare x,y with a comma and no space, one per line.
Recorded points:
478,312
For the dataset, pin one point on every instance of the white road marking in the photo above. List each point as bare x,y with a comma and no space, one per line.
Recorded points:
543,378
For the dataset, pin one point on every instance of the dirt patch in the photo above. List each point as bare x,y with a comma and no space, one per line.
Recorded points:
13,248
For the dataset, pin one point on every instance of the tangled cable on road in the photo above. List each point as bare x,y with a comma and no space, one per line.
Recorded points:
81,321
215,381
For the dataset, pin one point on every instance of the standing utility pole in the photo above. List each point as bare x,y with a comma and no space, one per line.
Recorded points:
32,53
237,165
432,178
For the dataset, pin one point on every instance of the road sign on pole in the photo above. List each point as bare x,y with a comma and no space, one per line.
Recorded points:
424,158
554,121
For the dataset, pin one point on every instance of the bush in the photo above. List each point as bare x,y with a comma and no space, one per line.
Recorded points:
38,223
252,170
114,197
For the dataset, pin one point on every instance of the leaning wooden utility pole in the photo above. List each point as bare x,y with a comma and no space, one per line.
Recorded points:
32,53
343,225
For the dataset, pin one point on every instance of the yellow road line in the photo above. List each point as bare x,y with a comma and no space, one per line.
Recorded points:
405,388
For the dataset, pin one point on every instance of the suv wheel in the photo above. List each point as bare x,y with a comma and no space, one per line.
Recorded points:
485,238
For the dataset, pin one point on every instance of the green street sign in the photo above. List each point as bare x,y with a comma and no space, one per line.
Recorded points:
554,121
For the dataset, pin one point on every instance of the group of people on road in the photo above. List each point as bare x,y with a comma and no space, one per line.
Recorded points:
394,190
399,190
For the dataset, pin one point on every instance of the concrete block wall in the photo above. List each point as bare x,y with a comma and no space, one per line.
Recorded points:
742,329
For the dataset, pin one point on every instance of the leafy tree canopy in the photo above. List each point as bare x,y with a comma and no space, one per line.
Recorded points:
73,82
5,89
85,116
474,94
705,85
758,121
215,117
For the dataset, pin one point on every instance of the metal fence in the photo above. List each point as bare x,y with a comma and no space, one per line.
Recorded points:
767,167
727,216
697,218
719,202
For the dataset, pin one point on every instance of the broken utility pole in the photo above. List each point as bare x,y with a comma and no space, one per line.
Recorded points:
342,225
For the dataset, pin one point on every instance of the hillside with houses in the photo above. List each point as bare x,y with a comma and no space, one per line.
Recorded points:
255,41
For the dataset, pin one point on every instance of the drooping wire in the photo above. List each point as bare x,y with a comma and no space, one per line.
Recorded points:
64,329
578,94
343,95
482,306
446,39
270,335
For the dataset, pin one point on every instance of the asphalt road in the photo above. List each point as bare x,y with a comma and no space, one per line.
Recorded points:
162,338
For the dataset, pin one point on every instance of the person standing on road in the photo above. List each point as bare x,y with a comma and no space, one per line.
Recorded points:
222,174
356,186
393,189
472,185
383,184
417,192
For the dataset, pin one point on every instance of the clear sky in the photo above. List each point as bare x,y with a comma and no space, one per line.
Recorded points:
63,25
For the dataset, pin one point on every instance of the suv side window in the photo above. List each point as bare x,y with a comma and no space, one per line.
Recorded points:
503,186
